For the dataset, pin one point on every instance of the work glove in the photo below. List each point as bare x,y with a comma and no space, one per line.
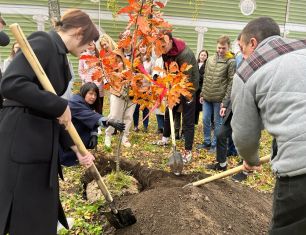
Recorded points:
120,126
93,141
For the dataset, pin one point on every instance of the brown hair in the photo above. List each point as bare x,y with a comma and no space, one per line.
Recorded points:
200,54
75,18
224,39
12,54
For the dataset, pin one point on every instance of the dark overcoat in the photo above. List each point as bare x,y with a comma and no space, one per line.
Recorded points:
29,137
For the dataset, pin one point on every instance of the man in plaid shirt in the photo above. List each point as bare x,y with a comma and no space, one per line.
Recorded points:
269,91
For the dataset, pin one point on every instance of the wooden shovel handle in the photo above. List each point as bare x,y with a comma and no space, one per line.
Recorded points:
172,127
226,173
46,84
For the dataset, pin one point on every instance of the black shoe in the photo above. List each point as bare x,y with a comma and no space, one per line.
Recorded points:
216,167
203,146
239,177
160,131
145,130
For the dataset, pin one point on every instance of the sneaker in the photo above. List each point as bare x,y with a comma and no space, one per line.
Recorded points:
145,130
136,129
99,130
126,143
216,167
163,142
239,177
70,222
108,141
203,146
187,156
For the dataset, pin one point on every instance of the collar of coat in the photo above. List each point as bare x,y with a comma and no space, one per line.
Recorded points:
268,50
61,47
228,56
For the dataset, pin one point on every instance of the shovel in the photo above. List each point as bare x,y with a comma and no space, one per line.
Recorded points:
175,160
117,218
225,173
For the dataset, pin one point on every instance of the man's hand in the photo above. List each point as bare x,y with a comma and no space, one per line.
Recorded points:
65,118
201,100
93,141
120,126
246,167
86,160
222,110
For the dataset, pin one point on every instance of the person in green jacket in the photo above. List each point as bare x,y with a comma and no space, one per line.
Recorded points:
219,71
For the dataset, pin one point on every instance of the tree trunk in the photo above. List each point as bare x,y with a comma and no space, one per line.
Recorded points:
54,11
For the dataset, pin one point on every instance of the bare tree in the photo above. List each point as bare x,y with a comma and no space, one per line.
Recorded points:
54,11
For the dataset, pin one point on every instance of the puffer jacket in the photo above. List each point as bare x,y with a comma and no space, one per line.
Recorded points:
219,73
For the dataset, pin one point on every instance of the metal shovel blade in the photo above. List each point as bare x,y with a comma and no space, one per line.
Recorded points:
176,162
122,219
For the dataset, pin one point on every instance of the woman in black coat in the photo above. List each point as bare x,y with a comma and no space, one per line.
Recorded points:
202,57
86,118
32,124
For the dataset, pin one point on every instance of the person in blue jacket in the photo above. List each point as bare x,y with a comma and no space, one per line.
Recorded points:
86,119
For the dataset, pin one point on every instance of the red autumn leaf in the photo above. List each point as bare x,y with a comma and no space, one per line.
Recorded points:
88,57
102,53
160,4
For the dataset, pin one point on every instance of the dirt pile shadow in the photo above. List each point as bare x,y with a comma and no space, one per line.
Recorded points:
164,207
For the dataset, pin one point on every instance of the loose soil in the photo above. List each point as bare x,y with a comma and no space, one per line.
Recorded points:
164,207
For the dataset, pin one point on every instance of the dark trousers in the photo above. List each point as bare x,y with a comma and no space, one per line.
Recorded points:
188,121
289,206
224,132
145,112
160,121
100,108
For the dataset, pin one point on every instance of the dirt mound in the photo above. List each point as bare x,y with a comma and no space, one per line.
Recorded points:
220,207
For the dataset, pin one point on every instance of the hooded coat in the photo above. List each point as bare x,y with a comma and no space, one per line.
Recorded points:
30,135
181,53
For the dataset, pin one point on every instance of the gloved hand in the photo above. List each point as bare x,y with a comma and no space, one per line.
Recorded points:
93,141
120,126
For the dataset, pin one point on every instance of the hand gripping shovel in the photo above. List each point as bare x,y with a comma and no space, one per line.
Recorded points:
117,218
175,159
224,174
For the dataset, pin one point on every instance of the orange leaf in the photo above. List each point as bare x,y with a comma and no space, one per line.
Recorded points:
173,67
143,24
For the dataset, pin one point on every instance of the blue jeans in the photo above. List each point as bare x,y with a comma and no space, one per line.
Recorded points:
145,112
208,109
160,121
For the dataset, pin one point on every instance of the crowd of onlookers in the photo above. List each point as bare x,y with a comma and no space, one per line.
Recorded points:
212,81
212,78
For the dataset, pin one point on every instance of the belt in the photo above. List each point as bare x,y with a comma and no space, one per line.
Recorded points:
13,103
55,167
